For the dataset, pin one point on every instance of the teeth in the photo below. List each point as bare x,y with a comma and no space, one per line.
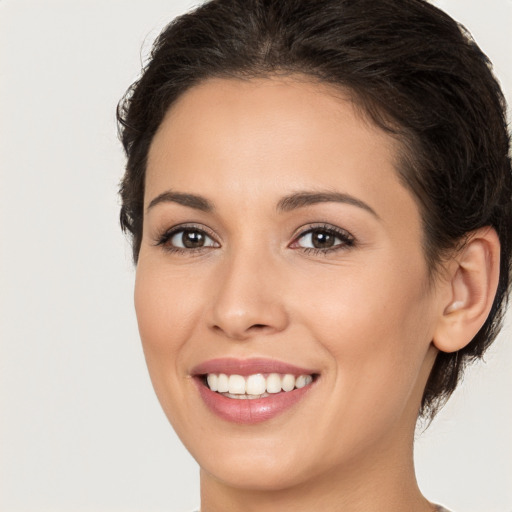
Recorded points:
245,397
255,386
213,381
223,383
288,382
236,385
274,383
300,382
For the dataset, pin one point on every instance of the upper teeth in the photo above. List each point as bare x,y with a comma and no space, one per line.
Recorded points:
256,384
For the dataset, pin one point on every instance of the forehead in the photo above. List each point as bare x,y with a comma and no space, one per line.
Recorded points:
244,140
264,105
250,114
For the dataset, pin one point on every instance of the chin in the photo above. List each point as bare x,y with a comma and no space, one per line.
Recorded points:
262,463
254,473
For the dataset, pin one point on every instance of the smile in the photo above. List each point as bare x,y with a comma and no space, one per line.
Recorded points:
251,391
255,386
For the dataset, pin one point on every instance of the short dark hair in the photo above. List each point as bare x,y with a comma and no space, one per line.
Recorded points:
410,67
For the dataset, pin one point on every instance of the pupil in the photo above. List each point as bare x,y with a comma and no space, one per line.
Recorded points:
321,240
192,239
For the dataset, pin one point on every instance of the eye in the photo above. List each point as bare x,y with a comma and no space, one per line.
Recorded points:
191,239
323,239
186,239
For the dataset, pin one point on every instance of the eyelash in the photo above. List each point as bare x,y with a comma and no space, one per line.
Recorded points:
347,240
163,239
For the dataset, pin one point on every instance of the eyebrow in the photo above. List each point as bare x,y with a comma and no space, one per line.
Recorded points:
302,199
286,204
190,200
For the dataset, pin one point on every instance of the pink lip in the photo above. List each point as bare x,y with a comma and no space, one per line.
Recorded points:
245,367
246,411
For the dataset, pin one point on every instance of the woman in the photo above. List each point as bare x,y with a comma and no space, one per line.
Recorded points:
319,194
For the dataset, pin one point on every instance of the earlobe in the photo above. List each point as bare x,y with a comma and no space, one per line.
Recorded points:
471,286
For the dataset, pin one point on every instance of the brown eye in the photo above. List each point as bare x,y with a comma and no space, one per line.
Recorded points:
191,239
324,239
319,239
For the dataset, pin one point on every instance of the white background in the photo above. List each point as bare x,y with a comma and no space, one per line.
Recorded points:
80,427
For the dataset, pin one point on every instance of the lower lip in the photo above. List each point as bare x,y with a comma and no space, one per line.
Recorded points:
249,411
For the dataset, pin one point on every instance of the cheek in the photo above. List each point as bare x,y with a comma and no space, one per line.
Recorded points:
165,314
166,318
367,306
376,326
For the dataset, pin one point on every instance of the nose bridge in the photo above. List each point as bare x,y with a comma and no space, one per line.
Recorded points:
247,298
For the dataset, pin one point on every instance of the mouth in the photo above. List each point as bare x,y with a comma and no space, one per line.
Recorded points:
255,386
251,391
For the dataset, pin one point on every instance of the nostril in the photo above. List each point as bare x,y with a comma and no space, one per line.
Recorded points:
261,328
243,333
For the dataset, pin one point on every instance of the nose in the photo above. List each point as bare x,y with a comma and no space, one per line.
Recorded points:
247,300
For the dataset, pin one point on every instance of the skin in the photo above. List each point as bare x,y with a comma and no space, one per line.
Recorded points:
363,316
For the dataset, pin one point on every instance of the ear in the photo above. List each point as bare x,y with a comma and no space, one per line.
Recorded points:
469,290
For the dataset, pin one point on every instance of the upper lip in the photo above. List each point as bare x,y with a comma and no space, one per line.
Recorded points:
245,367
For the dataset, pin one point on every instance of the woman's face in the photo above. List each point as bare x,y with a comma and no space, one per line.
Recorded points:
278,240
